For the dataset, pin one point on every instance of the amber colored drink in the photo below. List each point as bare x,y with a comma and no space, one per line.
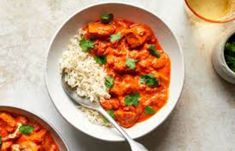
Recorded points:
213,9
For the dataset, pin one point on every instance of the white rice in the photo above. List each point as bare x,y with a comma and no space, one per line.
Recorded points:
84,75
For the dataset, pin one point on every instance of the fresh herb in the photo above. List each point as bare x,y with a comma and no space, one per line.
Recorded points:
109,82
153,51
111,113
149,80
26,129
130,63
149,110
230,46
86,44
132,99
230,62
229,53
100,59
106,17
115,37
0,140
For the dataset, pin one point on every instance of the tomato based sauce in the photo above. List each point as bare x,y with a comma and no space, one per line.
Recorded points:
19,133
138,66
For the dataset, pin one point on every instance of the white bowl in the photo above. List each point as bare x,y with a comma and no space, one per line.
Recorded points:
32,117
218,59
59,43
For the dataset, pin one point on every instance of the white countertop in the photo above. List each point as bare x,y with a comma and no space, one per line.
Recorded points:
204,118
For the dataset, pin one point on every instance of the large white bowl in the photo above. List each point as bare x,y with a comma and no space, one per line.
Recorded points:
60,41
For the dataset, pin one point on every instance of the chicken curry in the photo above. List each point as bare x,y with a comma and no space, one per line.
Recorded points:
138,69
17,133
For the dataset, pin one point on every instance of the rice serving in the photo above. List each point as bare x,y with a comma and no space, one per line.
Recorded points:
84,75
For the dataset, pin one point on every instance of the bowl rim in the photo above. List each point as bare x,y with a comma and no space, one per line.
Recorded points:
29,113
118,3
207,19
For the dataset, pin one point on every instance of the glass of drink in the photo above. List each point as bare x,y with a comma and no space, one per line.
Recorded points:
216,11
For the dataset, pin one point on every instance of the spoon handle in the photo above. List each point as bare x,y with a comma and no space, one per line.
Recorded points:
135,146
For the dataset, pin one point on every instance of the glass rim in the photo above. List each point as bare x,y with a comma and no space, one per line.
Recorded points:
206,19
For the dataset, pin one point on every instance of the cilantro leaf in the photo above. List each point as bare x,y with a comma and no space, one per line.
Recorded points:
149,110
109,82
100,59
86,44
149,80
130,63
106,17
153,51
26,129
230,62
230,46
111,113
229,54
0,140
132,99
115,37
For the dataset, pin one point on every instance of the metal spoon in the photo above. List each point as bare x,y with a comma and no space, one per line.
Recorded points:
135,146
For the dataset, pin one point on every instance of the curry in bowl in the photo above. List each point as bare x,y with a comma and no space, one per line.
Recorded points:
122,65
18,133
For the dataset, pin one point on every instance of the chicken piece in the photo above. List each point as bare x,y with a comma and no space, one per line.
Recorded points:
21,119
124,85
138,35
145,63
28,146
139,55
6,146
117,64
100,47
48,144
158,99
35,137
8,119
110,104
97,29
126,118
158,63
3,132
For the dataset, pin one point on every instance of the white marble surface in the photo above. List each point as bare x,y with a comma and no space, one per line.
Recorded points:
204,118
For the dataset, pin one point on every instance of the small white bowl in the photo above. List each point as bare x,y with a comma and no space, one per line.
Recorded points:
218,59
59,44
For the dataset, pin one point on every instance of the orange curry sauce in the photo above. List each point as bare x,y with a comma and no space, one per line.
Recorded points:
134,43
19,133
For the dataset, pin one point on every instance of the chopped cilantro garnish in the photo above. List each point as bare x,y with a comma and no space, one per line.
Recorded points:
26,129
115,37
149,110
109,82
130,63
149,80
153,51
100,59
106,17
111,113
86,44
132,99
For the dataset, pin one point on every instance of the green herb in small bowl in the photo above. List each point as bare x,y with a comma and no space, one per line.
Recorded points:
229,52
